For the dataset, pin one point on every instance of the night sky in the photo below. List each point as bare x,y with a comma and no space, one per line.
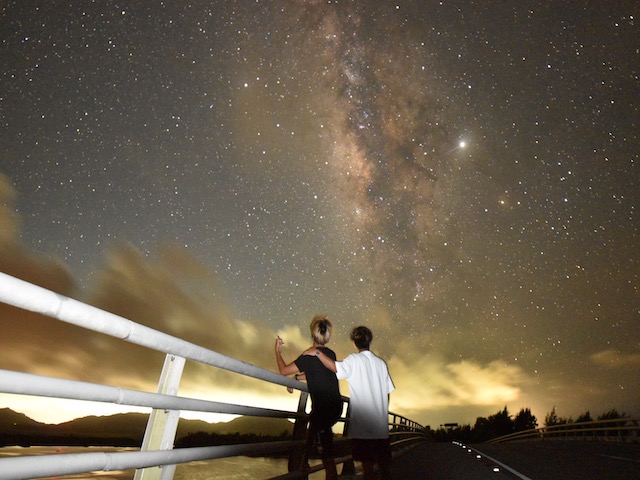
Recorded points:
462,177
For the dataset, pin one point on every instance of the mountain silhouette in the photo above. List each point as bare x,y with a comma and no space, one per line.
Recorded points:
11,421
17,428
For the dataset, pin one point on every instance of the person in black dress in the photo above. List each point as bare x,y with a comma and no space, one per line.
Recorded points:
326,402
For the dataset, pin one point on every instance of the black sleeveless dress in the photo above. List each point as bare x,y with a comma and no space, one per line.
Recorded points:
326,402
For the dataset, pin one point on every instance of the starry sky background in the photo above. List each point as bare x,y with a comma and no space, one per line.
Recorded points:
223,171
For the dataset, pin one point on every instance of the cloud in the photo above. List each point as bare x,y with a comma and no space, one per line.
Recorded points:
8,219
429,384
613,359
30,339
171,291
41,270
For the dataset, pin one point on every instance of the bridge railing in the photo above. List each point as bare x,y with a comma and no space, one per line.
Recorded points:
622,430
156,458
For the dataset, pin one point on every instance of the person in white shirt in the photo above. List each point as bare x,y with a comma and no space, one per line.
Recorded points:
369,388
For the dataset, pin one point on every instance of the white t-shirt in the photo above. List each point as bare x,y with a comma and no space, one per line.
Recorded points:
369,389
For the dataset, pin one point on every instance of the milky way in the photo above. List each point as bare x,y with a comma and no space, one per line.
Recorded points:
461,176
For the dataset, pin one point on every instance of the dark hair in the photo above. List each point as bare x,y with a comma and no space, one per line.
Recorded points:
362,337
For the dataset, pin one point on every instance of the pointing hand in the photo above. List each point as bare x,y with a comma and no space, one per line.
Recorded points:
279,343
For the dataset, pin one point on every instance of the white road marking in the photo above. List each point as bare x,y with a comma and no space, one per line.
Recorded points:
506,467
621,458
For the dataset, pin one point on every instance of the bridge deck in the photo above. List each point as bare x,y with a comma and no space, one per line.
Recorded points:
442,461
548,460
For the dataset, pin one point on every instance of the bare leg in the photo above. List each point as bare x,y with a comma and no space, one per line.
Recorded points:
385,471
330,469
367,467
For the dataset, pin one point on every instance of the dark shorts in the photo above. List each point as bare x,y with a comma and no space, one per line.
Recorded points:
324,417
320,425
322,440
371,450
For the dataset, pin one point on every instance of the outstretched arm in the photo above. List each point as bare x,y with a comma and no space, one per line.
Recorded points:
326,361
284,368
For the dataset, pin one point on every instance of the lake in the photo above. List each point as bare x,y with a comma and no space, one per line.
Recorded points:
235,468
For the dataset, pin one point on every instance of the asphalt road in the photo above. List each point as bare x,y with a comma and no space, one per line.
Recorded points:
541,460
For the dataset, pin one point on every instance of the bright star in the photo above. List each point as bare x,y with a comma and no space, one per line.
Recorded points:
461,144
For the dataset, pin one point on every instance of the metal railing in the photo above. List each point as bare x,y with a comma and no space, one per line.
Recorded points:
621,430
157,446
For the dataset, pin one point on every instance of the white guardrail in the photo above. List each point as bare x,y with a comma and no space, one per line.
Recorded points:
157,446
618,430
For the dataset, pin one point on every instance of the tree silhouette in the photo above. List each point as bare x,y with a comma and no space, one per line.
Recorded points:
585,417
524,420
552,419
611,415
501,424
496,425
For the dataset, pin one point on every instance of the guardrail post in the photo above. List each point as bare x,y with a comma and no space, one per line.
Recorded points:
298,455
348,467
162,425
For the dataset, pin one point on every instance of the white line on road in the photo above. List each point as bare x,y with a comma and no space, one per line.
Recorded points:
620,458
506,467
